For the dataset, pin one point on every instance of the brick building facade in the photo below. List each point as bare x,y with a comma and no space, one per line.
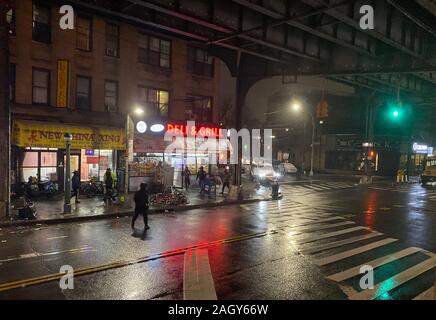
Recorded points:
113,67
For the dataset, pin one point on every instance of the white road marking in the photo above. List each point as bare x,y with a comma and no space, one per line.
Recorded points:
335,244
302,240
60,237
429,294
317,221
322,227
353,252
352,272
198,282
395,281
38,254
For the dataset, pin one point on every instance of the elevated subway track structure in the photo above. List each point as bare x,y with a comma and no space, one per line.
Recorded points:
264,38
258,39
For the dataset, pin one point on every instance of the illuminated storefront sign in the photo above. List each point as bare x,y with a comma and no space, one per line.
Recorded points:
45,135
141,126
157,127
181,129
422,148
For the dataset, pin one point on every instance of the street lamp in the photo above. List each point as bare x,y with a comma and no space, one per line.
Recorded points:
137,110
67,201
296,107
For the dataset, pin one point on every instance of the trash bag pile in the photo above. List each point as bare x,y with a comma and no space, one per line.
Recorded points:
174,198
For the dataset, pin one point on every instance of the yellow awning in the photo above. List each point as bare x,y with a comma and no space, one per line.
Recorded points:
51,135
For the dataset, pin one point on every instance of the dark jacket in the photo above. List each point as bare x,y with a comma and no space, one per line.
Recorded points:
75,182
141,201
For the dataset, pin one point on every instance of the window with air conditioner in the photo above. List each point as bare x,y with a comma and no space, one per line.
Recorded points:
112,40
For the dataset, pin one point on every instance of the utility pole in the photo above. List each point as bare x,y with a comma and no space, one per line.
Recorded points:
5,115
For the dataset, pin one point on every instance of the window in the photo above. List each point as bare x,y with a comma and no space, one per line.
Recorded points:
199,108
41,86
112,40
155,101
84,33
154,51
199,62
12,77
42,164
111,95
30,165
48,166
83,93
41,23
10,20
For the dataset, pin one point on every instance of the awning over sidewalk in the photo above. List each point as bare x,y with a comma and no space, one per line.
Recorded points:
51,135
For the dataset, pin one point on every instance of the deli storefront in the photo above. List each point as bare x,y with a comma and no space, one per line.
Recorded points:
151,162
38,150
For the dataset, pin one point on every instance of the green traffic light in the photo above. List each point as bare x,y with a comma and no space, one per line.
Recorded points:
395,113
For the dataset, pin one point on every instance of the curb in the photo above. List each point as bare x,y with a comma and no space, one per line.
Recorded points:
123,214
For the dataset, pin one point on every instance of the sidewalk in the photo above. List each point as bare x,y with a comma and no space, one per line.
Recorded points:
50,211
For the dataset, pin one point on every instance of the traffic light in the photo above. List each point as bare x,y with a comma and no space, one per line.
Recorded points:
395,110
322,110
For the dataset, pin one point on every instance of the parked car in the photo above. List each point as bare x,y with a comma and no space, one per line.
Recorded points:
287,168
264,172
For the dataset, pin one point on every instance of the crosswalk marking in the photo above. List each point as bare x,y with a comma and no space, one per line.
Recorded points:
353,252
429,294
335,244
329,235
197,277
395,281
322,227
318,221
352,272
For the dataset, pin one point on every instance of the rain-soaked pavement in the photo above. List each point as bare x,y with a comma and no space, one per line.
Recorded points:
310,245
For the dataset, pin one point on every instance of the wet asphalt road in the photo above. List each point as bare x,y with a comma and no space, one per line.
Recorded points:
302,247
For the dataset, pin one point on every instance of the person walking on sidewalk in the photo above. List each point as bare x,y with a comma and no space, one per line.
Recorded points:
141,206
201,176
187,178
109,182
75,185
226,180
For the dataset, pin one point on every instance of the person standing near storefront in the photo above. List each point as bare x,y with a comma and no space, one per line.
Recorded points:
201,176
109,182
226,180
141,206
75,184
187,178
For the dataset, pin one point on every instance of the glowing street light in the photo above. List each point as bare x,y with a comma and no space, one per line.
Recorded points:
296,106
138,111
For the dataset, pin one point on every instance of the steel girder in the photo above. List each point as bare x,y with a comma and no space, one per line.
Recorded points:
303,37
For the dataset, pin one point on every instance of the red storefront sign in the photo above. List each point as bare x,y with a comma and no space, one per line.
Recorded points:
181,129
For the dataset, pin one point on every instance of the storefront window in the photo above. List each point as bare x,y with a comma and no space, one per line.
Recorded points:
94,163
30,165
39,164
105,162
48,166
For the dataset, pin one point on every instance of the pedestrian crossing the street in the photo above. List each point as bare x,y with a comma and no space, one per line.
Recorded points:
314,187
340,248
